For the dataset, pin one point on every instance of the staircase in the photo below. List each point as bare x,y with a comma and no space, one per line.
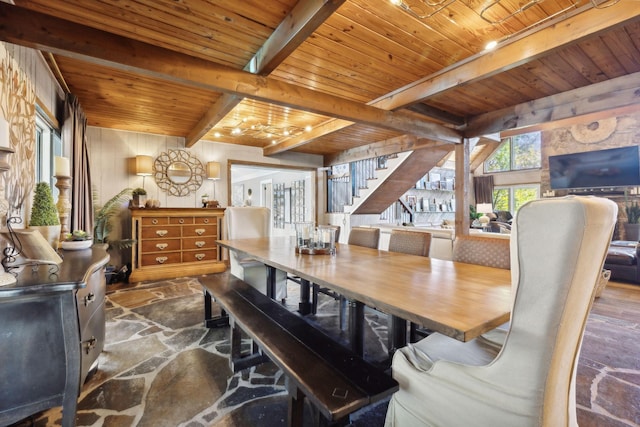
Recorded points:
397,178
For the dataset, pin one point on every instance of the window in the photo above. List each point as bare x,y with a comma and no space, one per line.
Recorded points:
512,197
48,145
516,153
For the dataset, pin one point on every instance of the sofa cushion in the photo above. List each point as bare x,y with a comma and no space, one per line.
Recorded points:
621,255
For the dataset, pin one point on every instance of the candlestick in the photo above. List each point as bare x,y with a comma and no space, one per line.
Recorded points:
63,183
61,166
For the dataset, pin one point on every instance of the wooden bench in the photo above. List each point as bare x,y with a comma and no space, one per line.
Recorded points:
335,380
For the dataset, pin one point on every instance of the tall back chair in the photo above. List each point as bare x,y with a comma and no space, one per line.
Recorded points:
530,380
410,242
487,251
364,236
246,223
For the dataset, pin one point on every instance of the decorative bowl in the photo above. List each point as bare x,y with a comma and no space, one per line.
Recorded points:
76,245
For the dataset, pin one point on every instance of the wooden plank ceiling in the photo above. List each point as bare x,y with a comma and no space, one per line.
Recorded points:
339,78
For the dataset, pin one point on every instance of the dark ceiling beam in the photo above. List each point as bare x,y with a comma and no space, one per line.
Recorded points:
43,32
304,19
617,93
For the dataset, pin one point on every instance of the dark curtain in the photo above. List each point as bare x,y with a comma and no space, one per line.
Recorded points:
74,129
483,188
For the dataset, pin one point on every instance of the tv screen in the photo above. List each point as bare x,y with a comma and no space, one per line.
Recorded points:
616,167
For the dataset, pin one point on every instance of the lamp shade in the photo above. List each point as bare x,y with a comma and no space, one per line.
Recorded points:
144,165
213,170
484,208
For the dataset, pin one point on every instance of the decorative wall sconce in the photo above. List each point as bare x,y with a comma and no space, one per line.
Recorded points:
213,173
143,167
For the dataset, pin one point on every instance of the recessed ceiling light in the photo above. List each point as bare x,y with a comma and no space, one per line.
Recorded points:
308,128
491,45
217,134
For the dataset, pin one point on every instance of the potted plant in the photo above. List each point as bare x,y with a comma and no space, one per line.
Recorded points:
103,219
44,215
632,226
139,197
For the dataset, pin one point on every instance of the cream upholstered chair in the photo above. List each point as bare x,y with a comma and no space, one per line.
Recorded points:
487,251
530,380
245,223
410,242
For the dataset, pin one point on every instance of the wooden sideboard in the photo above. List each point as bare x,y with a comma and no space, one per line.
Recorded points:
51,334
175,242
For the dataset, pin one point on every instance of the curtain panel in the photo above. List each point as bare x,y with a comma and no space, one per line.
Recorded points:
74,130
483,188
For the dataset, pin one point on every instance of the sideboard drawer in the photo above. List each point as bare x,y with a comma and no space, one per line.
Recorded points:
160,259
160,232
161,220
199,230
206,220
200,256
180,220
160,245
204,242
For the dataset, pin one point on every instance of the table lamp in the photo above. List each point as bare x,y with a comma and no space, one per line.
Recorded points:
484,209
213,173
143,167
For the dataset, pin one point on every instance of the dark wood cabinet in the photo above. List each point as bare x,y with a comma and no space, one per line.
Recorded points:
52,326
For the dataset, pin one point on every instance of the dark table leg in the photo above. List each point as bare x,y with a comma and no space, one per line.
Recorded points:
304,306
397,334
356,327
271,282
209,320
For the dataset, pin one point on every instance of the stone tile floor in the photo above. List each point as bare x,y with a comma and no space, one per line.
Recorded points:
161,367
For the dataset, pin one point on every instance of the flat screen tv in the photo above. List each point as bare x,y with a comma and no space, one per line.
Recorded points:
616,167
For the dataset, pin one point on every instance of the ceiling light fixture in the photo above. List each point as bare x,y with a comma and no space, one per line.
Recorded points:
262,131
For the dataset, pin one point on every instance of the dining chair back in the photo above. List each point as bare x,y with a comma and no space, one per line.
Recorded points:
410,242
368,237
246,223
487,251
530,380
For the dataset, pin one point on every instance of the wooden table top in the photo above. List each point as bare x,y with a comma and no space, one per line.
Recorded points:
456,299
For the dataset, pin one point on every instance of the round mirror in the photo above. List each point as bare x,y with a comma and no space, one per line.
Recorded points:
179,172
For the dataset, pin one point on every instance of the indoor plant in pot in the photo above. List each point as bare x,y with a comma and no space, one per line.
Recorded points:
139,197
44,216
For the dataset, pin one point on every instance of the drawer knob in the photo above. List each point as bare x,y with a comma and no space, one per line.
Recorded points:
206,221
200,231
88,299
154,221
162,246
200,243
90,344
161,259
200,257
181,220
162,233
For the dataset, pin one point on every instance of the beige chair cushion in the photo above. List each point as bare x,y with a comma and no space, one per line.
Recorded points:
490,252
363,236
410,242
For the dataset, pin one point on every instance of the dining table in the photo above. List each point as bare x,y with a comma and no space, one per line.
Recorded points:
456,299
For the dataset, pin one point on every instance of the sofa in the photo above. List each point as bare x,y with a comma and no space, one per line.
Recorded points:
622,260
